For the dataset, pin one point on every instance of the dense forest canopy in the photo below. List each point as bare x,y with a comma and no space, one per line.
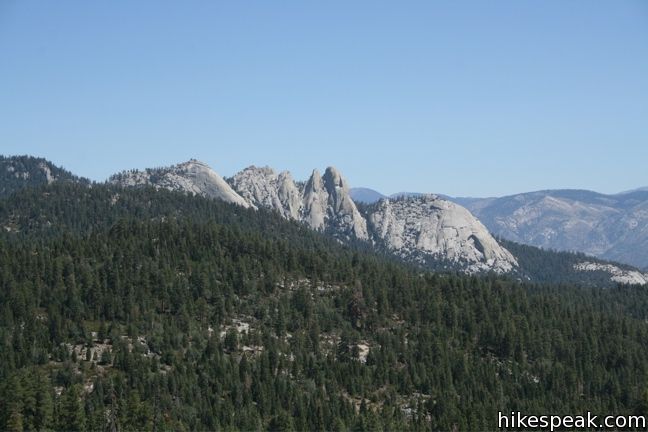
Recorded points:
19,172
152,310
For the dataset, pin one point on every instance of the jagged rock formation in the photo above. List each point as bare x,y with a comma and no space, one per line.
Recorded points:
323,202
314,202
427,225
341,212
412,228
192,177
263,187
617,274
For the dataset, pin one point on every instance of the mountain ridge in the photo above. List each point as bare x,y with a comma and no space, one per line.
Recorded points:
608,226
613,227
193,176
324,203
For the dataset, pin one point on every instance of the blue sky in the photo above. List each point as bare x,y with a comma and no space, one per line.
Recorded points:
463,98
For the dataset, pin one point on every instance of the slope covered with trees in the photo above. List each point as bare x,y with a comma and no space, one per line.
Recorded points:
559,267
18,172
152,310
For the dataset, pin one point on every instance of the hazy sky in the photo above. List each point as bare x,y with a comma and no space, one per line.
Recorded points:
464,98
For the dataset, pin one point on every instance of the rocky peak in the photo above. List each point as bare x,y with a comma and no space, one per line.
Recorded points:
337,189
264,188
412,228
194,177
327,204
423,226
341,208
323,203
314,183
314,202
333,179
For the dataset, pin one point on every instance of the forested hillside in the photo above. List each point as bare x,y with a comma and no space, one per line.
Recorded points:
18,172
151,310
556,267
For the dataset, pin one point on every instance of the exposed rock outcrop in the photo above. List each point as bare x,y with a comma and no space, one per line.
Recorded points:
263,187
192,177
429,226
323,202
617,274
413,228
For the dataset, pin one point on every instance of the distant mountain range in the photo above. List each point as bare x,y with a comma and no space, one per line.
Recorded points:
612,227
641,189
434,231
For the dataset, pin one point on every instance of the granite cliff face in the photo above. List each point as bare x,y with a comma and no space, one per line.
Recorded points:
609,227
263,187
341,211
429,226
193,177
323,202
415,229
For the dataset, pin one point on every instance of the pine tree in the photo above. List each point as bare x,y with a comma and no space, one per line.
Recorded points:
71,413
